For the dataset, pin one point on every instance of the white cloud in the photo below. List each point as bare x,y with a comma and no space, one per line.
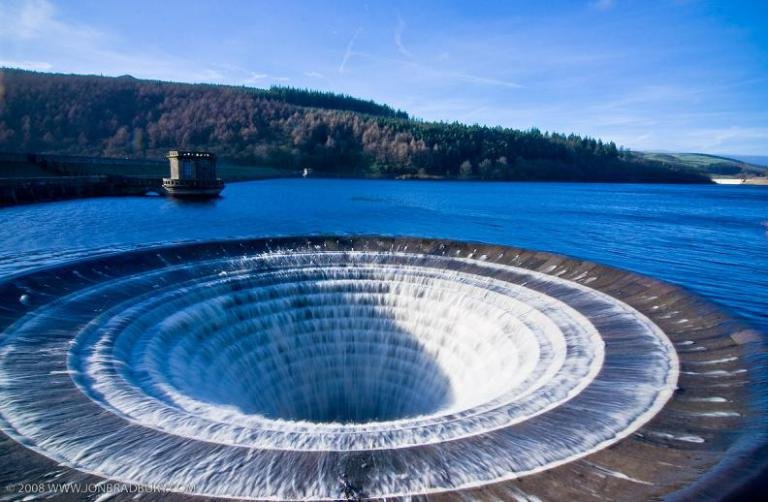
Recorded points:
439,75
26,65
721,139
35,19
401,48
33,32
348,53
667,137
477,79
602,4
24,20
263,78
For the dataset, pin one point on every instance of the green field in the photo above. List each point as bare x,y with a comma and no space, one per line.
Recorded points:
712,165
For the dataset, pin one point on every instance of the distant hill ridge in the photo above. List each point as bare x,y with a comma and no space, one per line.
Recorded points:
333,134
714,165
758,160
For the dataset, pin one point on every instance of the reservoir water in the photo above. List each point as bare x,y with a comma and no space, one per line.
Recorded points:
473,363
713,240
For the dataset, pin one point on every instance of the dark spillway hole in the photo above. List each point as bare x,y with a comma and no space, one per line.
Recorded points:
321,364
351,376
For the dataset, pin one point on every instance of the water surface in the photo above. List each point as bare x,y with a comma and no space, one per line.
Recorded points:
712,240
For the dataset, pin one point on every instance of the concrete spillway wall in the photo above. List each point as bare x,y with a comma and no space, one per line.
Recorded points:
325,368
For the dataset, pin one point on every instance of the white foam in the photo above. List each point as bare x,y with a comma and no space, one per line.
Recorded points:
257,376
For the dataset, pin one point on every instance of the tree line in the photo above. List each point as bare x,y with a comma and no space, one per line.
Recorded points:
292,128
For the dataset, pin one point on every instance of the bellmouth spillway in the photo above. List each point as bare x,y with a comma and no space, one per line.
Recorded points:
366,367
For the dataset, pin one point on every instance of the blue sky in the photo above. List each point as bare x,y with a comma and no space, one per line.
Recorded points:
656,75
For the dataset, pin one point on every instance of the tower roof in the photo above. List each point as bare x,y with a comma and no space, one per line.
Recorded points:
187,154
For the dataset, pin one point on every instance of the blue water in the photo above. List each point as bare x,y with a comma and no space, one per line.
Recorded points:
712,240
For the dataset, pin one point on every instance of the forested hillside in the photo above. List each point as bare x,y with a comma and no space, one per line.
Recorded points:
332,134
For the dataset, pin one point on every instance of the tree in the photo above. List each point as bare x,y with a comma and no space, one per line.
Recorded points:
486,169
331,133
465,169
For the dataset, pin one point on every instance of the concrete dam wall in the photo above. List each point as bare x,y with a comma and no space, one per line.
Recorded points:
25,190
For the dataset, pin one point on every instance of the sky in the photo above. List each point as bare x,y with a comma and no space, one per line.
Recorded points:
668,75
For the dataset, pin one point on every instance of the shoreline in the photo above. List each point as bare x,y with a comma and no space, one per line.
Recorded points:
38,189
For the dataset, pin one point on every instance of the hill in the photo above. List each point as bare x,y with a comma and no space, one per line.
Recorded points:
758,160
332,134
711,165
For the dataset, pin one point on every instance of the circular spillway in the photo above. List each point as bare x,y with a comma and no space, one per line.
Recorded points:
324,368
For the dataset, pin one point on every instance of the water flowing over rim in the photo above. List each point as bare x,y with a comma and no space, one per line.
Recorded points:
525,364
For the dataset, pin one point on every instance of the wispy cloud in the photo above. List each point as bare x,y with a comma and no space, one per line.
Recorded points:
745,140
31,19
24,20
441,75
440,71
436,68
399,29
314,74
261,78
349,51
714,139
83,48
602,4
26,65
477,79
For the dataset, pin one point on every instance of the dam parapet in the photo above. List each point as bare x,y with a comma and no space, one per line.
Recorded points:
31,165
40,189
27,178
